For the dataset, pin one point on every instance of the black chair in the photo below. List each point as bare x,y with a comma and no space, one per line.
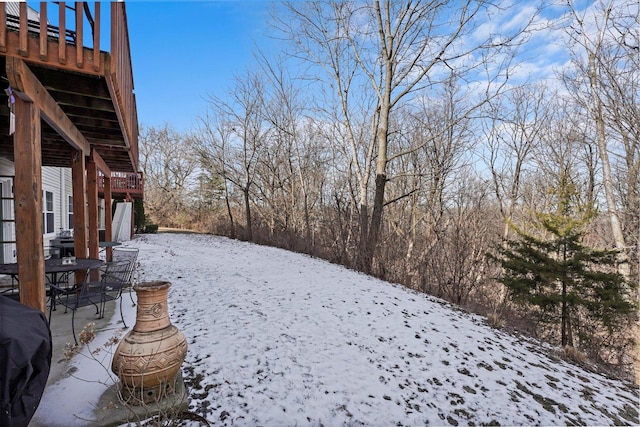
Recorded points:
73,298
98,287
131,255
114,279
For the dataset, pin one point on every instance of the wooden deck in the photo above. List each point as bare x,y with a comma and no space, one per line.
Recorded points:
92,87
74,107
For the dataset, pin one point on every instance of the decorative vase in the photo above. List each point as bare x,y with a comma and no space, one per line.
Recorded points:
149,356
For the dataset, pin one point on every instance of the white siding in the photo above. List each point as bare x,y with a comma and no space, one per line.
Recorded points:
55,180
58,181
6,167
8,229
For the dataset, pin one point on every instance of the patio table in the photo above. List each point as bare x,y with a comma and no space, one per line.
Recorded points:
53,267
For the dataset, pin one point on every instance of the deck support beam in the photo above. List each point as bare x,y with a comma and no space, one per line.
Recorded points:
78,178
92,199
27,86
108,220
101,165
28,204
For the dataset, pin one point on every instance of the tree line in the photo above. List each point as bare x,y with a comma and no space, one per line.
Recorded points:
396,138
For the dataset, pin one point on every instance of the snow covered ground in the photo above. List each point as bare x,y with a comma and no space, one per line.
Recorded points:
281,339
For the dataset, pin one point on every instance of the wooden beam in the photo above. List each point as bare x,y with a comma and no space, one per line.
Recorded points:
28,204
78,178
100,163
27,86
92,207
108,215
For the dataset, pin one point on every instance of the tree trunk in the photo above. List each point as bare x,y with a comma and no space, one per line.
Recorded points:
363,258
247,210
376,219
566,325
607,180
231,223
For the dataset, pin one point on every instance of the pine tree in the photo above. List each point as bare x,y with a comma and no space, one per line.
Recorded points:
561,277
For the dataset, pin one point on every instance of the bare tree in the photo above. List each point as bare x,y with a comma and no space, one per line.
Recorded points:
515,128
213,140
239,137
168,162
392,50
292,153
607,62
429,149
605,42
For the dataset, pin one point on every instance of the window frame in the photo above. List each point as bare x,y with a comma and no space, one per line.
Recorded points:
46,214
69,211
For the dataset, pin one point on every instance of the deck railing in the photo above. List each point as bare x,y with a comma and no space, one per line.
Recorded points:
121,72
33,43
20,35
124,183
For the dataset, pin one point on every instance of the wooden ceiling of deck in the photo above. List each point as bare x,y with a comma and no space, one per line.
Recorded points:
86,100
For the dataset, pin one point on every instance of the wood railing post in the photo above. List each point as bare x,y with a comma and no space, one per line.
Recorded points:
43,31
96,37
3,29
24,30
62,33
79,34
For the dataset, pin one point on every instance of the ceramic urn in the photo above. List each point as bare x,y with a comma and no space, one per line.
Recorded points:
149,356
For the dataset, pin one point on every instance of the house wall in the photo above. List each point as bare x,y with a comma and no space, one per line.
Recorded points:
7,212
57,181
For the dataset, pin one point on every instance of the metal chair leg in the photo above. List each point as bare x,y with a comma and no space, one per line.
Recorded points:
73,325
122,315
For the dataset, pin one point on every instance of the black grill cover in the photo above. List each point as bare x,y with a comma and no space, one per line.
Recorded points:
25,359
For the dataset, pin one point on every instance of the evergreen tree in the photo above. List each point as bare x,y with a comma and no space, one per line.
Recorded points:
569,283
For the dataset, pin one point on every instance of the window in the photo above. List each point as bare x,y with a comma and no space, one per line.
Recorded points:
70,211
48,216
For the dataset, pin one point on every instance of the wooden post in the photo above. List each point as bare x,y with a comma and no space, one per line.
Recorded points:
28,204
78,171
3,29
92,204
79,204
79,35
62,36
133,214
43,31
108,216
96,37
23,49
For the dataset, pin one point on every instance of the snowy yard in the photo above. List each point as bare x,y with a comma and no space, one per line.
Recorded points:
281,339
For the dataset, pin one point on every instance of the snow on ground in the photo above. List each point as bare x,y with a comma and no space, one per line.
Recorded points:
280,339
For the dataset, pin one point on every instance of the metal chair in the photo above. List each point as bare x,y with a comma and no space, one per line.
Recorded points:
131,255
115,277
88,293
107,286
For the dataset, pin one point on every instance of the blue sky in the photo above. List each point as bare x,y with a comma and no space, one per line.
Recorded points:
184,51
176,66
